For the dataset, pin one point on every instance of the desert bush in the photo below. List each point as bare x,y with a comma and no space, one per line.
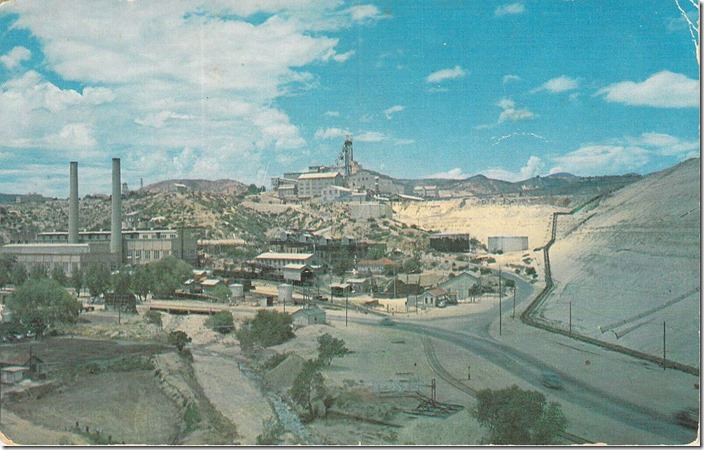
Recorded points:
266,329
221,322
179,338
518,417
329,348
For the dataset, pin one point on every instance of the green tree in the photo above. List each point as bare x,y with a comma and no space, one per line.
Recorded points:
38,271
58,274
168,275
179,338
267,328
329,348
142,281
376,252
222,292
221,322
77,278
7,262
308,391
42,302
18,274
518,417
121,281
411,265
342,262
97,279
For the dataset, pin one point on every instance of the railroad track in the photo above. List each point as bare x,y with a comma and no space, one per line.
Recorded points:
447,377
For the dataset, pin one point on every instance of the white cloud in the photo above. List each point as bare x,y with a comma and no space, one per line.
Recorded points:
664,144
512,113
394,109
370,136
331,133
452,174
534,166
364,13
558,85
661,90
196,75
404,141
510,79
601,160
627,154
510,9
15,57
332,113
158,120
446,74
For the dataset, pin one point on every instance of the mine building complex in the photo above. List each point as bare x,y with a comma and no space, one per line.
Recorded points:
75,250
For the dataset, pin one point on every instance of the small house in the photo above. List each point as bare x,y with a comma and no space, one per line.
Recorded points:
460,286
209,285
308,316
13,374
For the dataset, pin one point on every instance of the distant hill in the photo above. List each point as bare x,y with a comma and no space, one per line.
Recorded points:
556,184
224,186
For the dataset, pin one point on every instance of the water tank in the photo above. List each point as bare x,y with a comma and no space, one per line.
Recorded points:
237,291
285,293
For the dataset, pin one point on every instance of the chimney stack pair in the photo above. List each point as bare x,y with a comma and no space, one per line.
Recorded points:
116,222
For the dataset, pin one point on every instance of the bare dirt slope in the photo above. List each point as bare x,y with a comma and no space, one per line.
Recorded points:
481,218
631,263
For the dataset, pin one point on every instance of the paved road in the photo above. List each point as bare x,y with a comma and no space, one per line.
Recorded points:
529,368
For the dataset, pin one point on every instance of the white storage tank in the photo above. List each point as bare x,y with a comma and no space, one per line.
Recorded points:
237,291
286,293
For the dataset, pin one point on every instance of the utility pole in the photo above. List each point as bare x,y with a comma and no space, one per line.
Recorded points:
394,280
499,301
513,316
570,317
664,348
346,300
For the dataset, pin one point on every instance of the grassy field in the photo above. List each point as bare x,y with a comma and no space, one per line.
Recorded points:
129,406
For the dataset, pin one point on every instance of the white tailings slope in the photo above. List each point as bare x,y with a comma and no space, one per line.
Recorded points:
631,263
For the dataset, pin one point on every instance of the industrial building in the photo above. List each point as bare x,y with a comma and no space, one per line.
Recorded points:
74,250
312,184
506,244
451,242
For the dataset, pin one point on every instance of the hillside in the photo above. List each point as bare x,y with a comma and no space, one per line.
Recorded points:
226,187
631,263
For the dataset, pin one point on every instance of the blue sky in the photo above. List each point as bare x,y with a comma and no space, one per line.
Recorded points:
250,89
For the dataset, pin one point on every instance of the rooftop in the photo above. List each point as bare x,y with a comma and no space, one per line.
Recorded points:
285,256
318,175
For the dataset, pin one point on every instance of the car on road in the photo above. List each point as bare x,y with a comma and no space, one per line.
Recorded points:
551,380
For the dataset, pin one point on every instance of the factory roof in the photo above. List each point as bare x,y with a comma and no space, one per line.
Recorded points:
286,256
317,175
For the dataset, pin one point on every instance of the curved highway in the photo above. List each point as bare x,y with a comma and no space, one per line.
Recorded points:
529,368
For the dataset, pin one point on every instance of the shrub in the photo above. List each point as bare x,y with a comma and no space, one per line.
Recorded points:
518,417
329,348
308,391
266,329
271,433
221,322
179,338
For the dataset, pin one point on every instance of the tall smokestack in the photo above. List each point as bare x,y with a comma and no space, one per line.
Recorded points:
116,224
73,205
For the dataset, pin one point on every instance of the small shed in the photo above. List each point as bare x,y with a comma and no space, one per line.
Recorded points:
297,272
340,290
359,285
13,374
210,284
308,316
